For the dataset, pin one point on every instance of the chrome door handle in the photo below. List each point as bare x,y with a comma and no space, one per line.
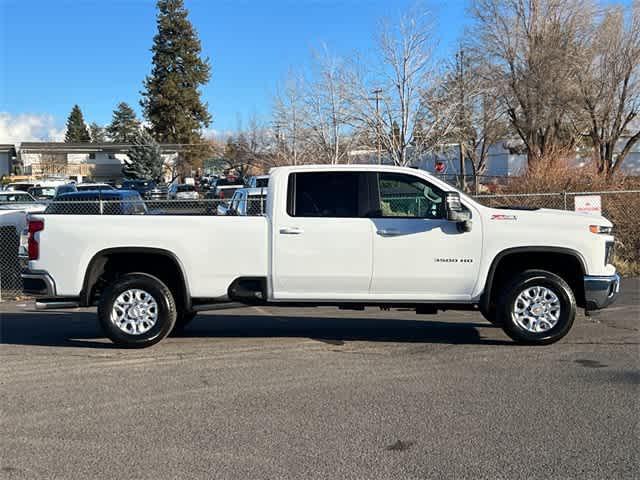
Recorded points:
389,232
291,231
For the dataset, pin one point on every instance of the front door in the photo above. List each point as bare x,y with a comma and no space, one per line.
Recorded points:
322,249
417,253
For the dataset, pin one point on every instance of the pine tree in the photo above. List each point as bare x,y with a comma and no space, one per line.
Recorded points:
171,97
97,133
124,126
76,128
145,161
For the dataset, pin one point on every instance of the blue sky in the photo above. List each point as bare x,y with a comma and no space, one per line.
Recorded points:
96,53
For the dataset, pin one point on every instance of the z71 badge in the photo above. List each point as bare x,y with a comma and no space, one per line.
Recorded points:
503,217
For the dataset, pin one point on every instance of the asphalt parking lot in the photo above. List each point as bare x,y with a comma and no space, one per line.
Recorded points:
321,393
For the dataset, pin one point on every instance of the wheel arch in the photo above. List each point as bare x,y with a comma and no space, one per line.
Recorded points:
539,252
98,263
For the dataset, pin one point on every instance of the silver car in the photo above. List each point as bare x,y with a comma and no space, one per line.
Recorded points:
182,191
17,200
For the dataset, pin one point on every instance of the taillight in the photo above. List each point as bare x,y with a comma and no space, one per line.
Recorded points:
33,247
221,196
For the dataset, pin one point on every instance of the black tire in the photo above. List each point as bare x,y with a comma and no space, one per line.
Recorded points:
528,279
491,316
165,314
182,320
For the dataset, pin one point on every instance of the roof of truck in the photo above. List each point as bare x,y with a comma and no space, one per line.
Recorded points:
358,167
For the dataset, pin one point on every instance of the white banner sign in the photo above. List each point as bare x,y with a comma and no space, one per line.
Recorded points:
588,204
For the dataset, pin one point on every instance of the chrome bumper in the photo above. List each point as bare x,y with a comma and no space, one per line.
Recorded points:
600,292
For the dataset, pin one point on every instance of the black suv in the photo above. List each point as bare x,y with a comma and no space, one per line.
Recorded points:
143,187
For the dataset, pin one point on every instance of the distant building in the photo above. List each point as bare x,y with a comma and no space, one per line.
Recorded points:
98,161
501,159
7,155
446,160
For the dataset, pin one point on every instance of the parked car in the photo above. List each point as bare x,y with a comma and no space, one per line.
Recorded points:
17,200
159,192
83,187
224,188
98,202
258,181
245,201
332,235
49,192
140,186
18,186
182,191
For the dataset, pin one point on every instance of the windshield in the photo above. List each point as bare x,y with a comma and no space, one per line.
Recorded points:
16,198
185,188
43,192
22,187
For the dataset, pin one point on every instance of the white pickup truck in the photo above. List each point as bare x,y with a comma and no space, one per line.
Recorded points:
345,236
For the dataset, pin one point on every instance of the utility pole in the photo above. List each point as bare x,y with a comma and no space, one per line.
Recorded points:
461,114
377,93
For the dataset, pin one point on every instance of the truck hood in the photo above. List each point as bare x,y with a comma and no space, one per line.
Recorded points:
547,216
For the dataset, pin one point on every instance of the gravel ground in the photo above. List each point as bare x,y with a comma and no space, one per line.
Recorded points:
320,393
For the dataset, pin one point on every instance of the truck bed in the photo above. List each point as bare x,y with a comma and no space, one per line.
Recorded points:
211,250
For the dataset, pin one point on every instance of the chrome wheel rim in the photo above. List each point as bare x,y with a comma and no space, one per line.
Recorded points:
536,309
134,312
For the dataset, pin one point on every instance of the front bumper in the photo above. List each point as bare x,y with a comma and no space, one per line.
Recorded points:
600,291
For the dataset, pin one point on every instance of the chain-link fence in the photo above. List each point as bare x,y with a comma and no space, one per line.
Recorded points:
621,207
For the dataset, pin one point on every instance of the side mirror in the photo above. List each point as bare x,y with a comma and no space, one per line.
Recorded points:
455,212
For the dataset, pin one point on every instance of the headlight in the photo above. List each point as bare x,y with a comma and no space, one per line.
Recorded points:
600,229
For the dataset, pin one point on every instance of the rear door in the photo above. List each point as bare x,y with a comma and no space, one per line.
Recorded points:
417,253
322,245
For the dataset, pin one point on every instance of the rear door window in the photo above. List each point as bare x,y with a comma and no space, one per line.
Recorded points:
324,194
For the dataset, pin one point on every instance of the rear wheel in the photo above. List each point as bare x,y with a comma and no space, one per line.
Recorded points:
538,307
137,310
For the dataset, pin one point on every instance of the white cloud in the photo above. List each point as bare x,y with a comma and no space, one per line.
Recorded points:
210,133
26,127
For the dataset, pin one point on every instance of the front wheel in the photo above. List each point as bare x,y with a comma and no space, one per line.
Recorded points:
491,316
137,310
183,319
537,308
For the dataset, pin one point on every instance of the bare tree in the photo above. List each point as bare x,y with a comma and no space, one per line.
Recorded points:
328,117
535,49
248,152
288,115
610,87
477,117
53,163
401,76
